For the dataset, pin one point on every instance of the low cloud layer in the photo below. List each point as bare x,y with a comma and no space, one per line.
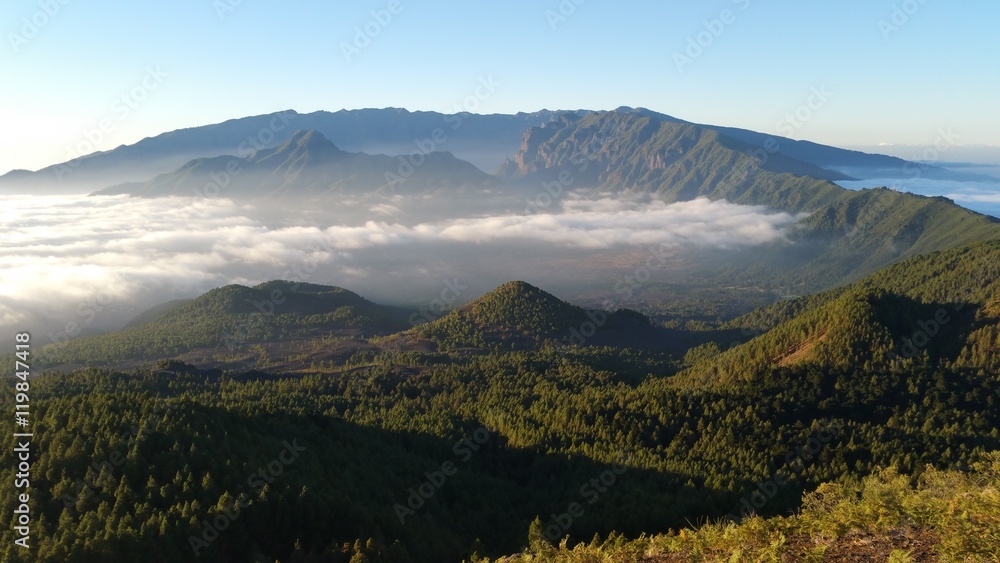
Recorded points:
96,261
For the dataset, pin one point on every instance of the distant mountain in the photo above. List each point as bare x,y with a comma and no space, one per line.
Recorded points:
845,235
308,165
484,140
844,161
225,322
676,160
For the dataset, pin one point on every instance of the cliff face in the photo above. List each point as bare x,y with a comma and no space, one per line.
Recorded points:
537,152
620,150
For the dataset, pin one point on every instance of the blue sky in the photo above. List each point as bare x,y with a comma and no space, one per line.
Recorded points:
193,62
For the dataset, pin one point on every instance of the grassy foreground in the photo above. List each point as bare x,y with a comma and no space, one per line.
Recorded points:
943,515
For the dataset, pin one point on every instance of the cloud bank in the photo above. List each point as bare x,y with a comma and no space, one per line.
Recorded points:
97,261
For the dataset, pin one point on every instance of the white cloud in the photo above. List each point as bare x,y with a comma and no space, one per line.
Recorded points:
606,223
60,253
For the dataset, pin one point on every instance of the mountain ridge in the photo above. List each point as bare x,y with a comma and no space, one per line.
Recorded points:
845,235
483,139
307,165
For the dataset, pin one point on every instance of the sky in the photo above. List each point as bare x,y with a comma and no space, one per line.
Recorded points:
846,73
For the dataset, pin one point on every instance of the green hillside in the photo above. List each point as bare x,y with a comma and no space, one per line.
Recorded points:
947,516
515,314
525,431
825,426
939,309
235,317
520,316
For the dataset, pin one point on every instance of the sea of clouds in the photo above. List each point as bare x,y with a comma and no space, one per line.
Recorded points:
95,262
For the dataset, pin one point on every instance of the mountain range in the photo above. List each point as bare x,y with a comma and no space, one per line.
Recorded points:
842,234
481,139
306,166
484,140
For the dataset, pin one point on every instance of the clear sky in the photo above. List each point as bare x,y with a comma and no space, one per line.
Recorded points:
929,66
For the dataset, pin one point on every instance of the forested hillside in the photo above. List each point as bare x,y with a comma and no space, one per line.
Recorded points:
938,310
448,440
227,321
526,435
518,315
946,515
